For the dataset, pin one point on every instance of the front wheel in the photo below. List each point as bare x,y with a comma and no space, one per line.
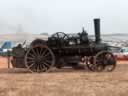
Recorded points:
105,60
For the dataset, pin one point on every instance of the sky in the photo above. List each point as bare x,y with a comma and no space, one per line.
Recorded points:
69,16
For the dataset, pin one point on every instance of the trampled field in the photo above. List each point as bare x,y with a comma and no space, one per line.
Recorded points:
64,82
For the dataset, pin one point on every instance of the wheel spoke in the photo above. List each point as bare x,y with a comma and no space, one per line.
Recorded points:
31,55
30,62
31,65
30,58
48,61
38,70
49,57
40,67
44,52
37,51
43,67
46,64
34,52
41,51
36,66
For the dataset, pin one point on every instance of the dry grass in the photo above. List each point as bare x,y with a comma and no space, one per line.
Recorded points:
64,82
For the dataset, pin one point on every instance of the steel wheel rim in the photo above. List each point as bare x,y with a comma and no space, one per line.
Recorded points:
104,61
110,68
39,59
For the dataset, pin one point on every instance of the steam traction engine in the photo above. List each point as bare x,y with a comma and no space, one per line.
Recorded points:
64,50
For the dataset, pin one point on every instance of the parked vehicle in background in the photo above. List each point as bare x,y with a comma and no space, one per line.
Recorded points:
6,46
122,53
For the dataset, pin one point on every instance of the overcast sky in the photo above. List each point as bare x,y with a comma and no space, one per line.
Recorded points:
37,16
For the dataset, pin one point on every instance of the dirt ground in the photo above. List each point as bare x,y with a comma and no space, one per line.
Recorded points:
63,82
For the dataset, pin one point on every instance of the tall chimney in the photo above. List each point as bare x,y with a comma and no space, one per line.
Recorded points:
97,30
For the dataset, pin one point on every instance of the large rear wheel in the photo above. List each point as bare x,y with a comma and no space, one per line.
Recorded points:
39,58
